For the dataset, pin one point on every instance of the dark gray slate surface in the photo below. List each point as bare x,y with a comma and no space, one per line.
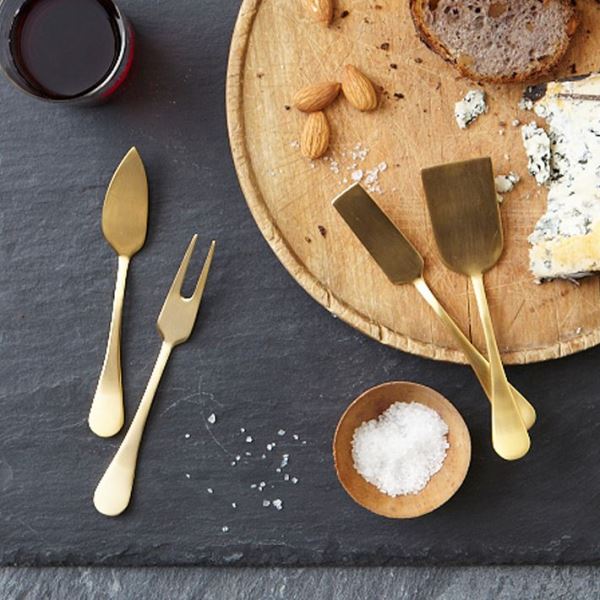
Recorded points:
264,357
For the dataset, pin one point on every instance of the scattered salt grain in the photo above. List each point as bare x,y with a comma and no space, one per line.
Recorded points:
278,504
270,447
294,480
284,461
210,490
401,450
237,457
295,436
286,477
281,432
233,505
187,475
212,418
242,430
266,503
187,436
252,486
357,175
249,439
224,529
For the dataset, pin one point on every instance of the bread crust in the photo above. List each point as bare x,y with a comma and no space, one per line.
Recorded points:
534,72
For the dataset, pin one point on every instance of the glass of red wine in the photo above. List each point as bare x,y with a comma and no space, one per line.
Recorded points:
75,51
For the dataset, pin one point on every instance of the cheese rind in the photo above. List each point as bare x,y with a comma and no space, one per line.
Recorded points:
565,242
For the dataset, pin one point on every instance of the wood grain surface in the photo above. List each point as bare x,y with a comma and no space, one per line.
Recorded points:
276,50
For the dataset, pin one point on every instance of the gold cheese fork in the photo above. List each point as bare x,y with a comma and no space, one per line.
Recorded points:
402,264
175,324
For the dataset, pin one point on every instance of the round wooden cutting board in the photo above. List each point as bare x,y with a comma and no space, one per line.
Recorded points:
276,50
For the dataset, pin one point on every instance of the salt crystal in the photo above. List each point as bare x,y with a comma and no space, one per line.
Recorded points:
249,439
252,486
209,490
295,436
266,503
401,450
237,457
212,418
248,453
357,175
233,505
286,477
224,529
187,436
187,475
242,430
281,432
278,470
284,461
382,166
233,463
294,480
278,504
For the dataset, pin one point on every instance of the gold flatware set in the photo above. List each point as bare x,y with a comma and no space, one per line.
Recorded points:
468,231
124,224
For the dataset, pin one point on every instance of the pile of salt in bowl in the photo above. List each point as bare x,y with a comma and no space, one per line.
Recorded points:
400,451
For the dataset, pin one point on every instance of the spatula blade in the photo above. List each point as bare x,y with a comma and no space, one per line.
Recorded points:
391,250
463,206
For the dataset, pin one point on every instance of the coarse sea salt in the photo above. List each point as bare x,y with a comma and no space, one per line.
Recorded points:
401,450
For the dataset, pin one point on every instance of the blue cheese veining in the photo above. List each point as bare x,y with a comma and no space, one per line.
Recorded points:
469,108
565,242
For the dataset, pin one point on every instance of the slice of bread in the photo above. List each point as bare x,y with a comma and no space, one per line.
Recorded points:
498,41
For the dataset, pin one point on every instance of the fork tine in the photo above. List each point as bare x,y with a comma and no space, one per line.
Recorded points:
180,276
204,274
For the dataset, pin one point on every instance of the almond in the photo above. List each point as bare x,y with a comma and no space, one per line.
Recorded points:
320,10
358,89
316,97
315,135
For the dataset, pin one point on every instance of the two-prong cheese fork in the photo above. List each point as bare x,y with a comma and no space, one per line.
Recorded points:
175,324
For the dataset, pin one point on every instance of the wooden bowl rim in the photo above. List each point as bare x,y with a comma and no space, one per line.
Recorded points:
466,451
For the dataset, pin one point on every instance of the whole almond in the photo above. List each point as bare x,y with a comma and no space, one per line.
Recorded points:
316,97
358,89
315,135
320,10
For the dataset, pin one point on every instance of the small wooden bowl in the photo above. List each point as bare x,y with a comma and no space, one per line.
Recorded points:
441,487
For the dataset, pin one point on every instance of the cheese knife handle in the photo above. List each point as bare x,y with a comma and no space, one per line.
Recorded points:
107,413
477,361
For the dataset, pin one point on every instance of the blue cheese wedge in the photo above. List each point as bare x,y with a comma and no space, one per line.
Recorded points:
565,242
469,108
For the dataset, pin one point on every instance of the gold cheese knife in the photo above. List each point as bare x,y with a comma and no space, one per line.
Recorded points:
124,224
466,224
402,264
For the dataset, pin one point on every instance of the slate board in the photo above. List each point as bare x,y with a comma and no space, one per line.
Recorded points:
264,357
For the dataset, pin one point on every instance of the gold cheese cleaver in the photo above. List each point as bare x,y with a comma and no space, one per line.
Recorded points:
402,264
124,224
464,211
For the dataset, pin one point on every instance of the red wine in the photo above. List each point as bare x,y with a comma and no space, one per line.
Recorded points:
66,48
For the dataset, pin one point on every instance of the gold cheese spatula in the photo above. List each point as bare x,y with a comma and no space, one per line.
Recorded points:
402,264
124,224
466,223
